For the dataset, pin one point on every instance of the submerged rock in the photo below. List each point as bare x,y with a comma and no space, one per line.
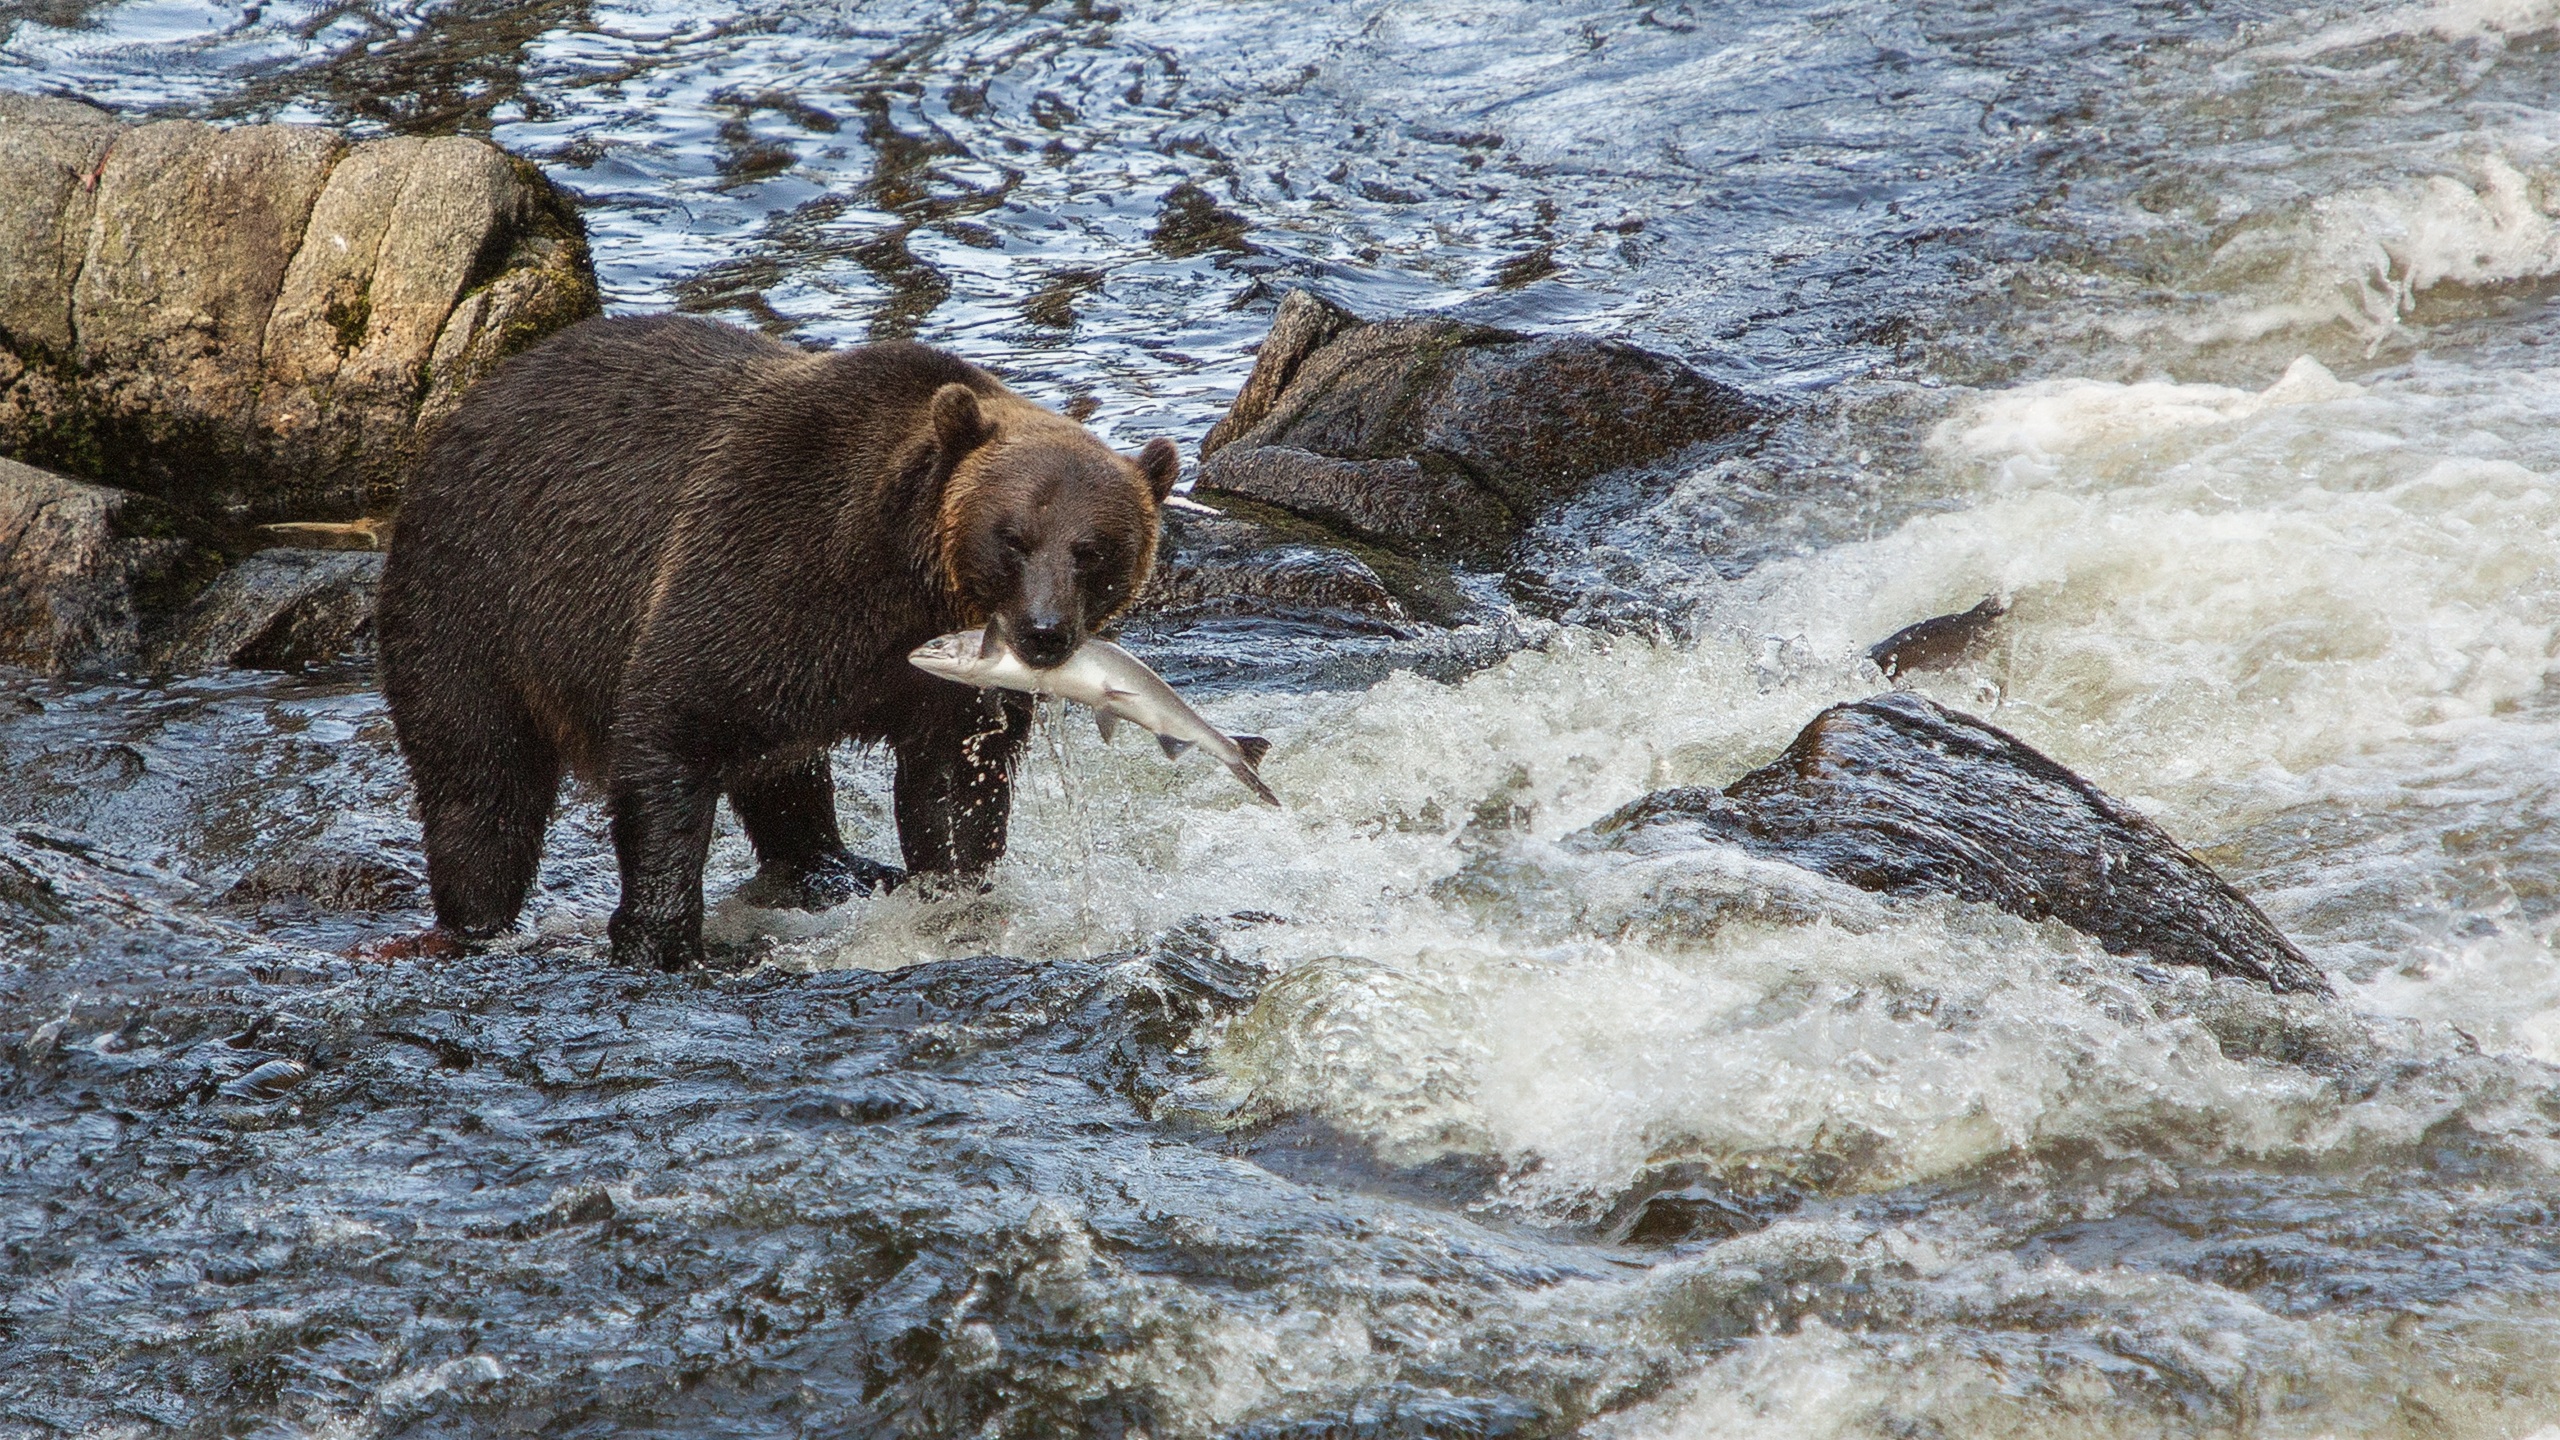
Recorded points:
277,610
1901,796
1443,438
260,320
346,869
84,571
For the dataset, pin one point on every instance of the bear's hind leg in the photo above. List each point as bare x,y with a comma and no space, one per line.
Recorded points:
487,780
789,811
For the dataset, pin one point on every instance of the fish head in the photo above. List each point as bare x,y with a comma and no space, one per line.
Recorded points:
953,657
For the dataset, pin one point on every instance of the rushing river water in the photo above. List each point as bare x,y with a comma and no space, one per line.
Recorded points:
2213,334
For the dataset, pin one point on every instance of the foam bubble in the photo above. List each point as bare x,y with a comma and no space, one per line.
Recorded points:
2218,590
2055,417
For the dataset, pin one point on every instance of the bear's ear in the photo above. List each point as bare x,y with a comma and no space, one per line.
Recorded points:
959,426
1162,464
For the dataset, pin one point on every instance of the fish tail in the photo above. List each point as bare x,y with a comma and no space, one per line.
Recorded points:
1254,783
1253,746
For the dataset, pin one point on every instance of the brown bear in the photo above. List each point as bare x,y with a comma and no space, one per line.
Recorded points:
681,560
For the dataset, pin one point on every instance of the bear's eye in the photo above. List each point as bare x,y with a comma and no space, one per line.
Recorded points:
1013,542
1089,553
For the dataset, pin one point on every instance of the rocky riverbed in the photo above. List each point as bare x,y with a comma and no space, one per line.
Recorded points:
1662,1009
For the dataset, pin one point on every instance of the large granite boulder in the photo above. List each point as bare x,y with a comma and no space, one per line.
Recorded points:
84,571
1901,796
1446,439
259,322
50,151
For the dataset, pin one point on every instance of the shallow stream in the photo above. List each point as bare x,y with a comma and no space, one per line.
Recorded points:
2214,335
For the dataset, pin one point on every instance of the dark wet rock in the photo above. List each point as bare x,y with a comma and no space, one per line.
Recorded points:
85,571
1680,1203
260,320
1901,796
1443,438
1302,325
1400,502
1224,565
278,609
1940,640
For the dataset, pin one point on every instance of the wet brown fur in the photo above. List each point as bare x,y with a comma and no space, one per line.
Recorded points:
683,559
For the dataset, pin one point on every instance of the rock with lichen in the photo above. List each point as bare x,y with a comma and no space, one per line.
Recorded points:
260,321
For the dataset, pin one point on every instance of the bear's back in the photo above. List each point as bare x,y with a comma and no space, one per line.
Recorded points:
671,462
532,529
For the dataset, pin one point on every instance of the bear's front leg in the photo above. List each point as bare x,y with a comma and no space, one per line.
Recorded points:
662,812
955,779
789,810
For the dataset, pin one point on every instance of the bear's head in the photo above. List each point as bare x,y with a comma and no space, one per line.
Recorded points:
1047,533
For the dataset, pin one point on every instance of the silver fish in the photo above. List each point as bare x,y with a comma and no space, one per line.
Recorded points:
1105,679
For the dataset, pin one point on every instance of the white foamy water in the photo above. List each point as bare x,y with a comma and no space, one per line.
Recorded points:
2363,259
2310,625
2438,20
2308,621
2229,605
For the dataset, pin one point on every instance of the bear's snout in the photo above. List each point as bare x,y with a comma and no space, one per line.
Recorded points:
1045,642
1046,624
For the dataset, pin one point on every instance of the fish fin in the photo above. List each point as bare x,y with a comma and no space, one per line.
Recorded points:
1106,722
1254,783
1173,748
989,646
1253,746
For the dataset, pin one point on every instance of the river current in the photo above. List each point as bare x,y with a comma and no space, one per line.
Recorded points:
2213,334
